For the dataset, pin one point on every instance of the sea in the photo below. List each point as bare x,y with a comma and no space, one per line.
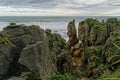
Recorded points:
58,24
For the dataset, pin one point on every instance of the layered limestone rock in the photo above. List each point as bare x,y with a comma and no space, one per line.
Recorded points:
72,34
112,25
99,47
30,49
6,57
57,46
112,49
91,32
83,32
35,58
73,45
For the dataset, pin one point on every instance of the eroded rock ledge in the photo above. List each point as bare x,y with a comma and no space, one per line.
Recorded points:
27,49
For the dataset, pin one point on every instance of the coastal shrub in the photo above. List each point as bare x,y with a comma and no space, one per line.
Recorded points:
90,21
13,23
112,24
62,77
114,76
31,77
34,25
50,43
61,44
99,28
48,30
5,39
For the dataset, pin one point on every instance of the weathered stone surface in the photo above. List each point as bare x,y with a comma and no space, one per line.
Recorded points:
91,32
72,34
23,76
34,58
7,54
27,35
83,32
57,46
71,29
27,41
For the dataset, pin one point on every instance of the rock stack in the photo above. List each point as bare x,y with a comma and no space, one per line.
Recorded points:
72,34
73,44
99,46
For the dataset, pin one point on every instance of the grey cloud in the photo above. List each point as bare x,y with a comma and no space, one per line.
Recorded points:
95,7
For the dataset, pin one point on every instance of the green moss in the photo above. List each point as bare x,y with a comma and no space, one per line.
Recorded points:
35,25
31,77
13,23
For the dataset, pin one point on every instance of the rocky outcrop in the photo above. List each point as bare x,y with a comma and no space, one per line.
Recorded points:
72,34
91,32
6,57
29,52
99,47
99,41
73,45
35,58
57,46
24,76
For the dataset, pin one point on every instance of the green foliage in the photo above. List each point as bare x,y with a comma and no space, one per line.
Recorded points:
91,21
99,28
48,30
61,44
62,77
35,25
13,23
113,76
31,77
112,21
112,49
50,43
93,50
5,39
112,24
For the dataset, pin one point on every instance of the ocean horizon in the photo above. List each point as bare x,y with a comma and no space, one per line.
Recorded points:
58,24
50,18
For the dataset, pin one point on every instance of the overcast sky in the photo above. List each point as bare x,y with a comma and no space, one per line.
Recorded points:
59,7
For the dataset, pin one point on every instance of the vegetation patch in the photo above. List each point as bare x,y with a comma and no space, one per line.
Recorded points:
50,43
114,76
5,39
31,77
12,23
